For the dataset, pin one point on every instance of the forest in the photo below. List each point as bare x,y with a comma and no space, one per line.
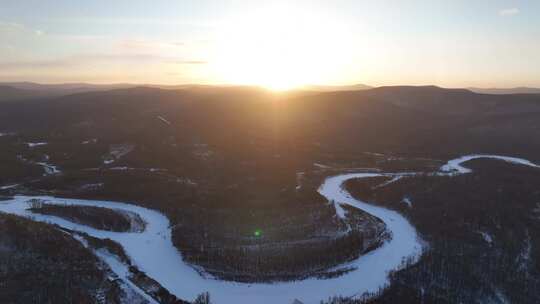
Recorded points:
236,170
481,231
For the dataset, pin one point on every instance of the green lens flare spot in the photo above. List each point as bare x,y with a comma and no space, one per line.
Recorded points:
257,233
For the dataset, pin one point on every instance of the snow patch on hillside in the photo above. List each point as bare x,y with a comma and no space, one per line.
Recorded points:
90,141
486,236
36,144
49,169
388,182
116,152
164,120
9,186
407,201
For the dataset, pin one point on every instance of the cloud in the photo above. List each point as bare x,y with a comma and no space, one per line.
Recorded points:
190,62
509,12
35,64
11,26
92,60
142,45
18,28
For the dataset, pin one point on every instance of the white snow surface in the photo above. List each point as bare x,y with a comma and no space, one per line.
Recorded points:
90,141
486,236
8,186
49,169
407,201
388,182
36,144
119,269
454,165
153,252
164,120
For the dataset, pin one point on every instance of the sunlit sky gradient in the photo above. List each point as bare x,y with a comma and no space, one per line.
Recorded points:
484,43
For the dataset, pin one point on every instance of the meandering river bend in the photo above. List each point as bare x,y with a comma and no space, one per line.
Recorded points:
153,252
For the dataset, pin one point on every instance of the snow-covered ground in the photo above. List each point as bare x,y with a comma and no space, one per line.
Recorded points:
454,165
49,169
8,186
321,166
137,169
36,144
388,182
407,201
153,252
486,236
164,120
90,141
120,270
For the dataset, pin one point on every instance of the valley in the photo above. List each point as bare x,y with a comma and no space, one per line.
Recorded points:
237,191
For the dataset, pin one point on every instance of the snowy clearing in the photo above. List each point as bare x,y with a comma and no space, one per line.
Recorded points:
388,182
486,236
407,201
8,186
36,144
164,120
49,169
321,166
90,141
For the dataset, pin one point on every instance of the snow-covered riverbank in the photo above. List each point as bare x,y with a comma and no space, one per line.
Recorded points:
153,252
454,165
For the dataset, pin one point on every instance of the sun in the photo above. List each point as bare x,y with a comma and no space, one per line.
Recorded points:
281,48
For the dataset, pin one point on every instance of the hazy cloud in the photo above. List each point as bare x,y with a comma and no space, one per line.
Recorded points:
142,45
11,26
190,62
93,59
35,64
18,28
509,11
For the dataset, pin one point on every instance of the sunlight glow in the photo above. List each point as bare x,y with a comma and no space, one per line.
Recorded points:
279,47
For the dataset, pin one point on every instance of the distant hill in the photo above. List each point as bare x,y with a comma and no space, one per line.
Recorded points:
26,90
30,90
11,93
427,98
65,88
327,88
444,101
401,118
518,90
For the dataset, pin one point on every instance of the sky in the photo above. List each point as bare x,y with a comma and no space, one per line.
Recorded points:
276,44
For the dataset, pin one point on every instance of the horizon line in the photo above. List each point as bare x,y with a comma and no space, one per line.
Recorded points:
368,86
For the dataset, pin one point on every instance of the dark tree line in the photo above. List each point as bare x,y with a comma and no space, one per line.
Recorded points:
41,264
